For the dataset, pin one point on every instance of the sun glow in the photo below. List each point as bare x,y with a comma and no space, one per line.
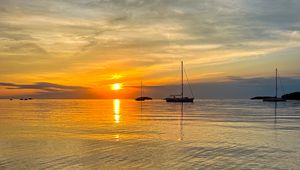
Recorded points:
116,86
116,76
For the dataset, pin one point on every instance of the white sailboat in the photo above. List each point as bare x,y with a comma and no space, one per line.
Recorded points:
180,97
142,98
275,99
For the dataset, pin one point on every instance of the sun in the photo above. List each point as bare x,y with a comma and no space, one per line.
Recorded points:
116,86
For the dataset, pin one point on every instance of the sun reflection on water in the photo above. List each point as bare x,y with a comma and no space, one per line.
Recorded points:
117,111
117,137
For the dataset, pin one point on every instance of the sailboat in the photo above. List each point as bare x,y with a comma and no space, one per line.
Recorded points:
142,98
180,97
275,99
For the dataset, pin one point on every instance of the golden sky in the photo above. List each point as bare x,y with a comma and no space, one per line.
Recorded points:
92,44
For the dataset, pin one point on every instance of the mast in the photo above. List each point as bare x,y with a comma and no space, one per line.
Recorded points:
182,79
276,85
141,88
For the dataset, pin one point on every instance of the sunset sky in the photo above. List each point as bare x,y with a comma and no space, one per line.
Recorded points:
80,48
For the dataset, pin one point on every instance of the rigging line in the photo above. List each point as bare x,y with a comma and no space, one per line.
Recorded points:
281,85
178,77
188,83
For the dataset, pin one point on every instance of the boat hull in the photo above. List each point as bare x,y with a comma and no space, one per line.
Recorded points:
274,100
143,98
180,100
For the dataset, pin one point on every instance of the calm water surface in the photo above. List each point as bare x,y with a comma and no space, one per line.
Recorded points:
125,134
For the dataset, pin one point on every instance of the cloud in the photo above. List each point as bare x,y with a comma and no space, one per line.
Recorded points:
64,38
45,86
48,90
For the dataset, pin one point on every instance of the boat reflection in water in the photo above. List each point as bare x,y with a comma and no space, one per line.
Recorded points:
275,112
181,134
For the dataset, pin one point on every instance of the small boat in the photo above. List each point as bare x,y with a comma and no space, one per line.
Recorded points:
173,98
180,97
275,99
142,98
261,97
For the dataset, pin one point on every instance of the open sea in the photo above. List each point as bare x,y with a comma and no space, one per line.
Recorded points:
125,134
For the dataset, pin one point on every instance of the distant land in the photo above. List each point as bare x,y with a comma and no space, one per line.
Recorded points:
289,96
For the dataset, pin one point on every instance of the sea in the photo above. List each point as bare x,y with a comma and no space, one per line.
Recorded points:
127,134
